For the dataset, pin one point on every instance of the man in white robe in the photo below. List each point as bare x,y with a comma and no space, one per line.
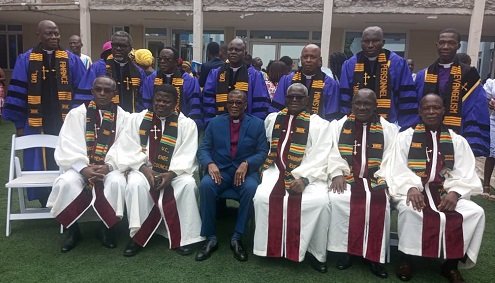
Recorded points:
158,192
359,203
432,177
291,203
86,156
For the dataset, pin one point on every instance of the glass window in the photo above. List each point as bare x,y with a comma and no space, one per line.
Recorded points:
11,45
155,32
3,52
274,34
393,41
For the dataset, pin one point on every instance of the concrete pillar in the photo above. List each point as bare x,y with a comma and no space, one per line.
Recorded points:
198,30
228,34
85,26
326,29
475,28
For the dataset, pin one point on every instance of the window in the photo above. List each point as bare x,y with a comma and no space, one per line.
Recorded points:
10,45
395,42
119,28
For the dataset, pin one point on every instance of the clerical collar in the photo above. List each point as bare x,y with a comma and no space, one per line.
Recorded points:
49,52
168,75
235,69
120,63
371,58
309,77
238,120
445,66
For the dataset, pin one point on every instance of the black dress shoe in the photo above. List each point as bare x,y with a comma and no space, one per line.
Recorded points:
317,265
184,250
73,235
453,275
344,261
404,271
238,250
378,269
206,250
107,238
131,249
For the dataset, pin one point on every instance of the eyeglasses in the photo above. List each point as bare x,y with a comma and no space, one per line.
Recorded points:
235,102
296,97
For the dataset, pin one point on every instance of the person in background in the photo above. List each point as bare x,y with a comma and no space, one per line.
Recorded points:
75,46
288,63
489,87
410,64
214,61
145,60
186,67
276,69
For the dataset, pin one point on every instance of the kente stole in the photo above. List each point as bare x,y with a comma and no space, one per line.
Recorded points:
374,149
177,82
459,87
226,83
99,138
37,74
297,145
132,83
315,92
417,157
164,148
382,82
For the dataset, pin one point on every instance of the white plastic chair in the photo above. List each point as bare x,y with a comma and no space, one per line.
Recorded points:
21,180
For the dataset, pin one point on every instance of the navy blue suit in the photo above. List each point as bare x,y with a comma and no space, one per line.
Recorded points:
215,147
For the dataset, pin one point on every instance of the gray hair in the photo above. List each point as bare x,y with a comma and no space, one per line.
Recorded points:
298,86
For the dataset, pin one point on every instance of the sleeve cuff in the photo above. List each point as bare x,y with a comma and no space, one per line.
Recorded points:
79,166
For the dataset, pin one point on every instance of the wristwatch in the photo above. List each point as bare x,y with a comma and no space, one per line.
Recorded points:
305,181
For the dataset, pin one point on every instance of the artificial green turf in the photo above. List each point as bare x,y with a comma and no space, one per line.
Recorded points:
32,254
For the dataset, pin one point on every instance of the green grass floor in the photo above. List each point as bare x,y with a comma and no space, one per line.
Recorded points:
32,254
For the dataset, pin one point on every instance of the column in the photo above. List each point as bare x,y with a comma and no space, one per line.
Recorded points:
85,26
326,30
475,28
198,30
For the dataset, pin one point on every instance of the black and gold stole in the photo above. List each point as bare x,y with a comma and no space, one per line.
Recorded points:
297,146
316,101
37,74
177,82
99,138
462,82
131,84
382,82
227,82
417,157
374,149
161,145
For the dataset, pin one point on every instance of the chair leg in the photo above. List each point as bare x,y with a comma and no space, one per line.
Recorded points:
22,203
7,223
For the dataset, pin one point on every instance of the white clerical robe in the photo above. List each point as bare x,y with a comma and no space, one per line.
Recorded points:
69,199
294,237
182,220
360,223
462,180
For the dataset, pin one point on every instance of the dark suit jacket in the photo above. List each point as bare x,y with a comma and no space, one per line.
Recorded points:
252,145
207,67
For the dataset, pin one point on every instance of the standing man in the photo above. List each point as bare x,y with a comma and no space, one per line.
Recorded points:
214,61
384,72
40,94
89,161
118,65
432,177
466,106
357,167
324,98
291,203
160,147
235,75
189,93
410,64
75,46
232,150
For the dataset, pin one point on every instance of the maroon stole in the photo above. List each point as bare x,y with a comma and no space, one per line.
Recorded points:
378,202
168,204
454,237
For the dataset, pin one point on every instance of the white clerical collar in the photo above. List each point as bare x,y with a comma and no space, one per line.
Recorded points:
309,77
122,64
235,69
168,75
236,121
49,52
372,58
446,66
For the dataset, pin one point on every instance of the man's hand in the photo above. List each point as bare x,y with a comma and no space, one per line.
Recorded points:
92,173
240,174
148,173
338,184
416,198
449,202
297,186
214,173
165,180
491,104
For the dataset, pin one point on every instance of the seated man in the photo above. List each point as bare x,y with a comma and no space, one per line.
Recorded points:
432,176
233,149
88,159
291,203
360,218
160,146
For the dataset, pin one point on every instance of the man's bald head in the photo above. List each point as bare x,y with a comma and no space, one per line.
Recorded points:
372,41
364,105
236,50
75,44
311,59
48,35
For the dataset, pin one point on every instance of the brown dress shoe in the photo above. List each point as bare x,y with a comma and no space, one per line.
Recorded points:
404,271
453,275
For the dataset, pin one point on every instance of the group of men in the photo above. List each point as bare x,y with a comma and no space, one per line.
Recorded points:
320,173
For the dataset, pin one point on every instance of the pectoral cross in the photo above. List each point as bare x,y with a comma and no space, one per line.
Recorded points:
366,77
427,156
355,147
464,86
44,71
127,82
96,131
155,130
